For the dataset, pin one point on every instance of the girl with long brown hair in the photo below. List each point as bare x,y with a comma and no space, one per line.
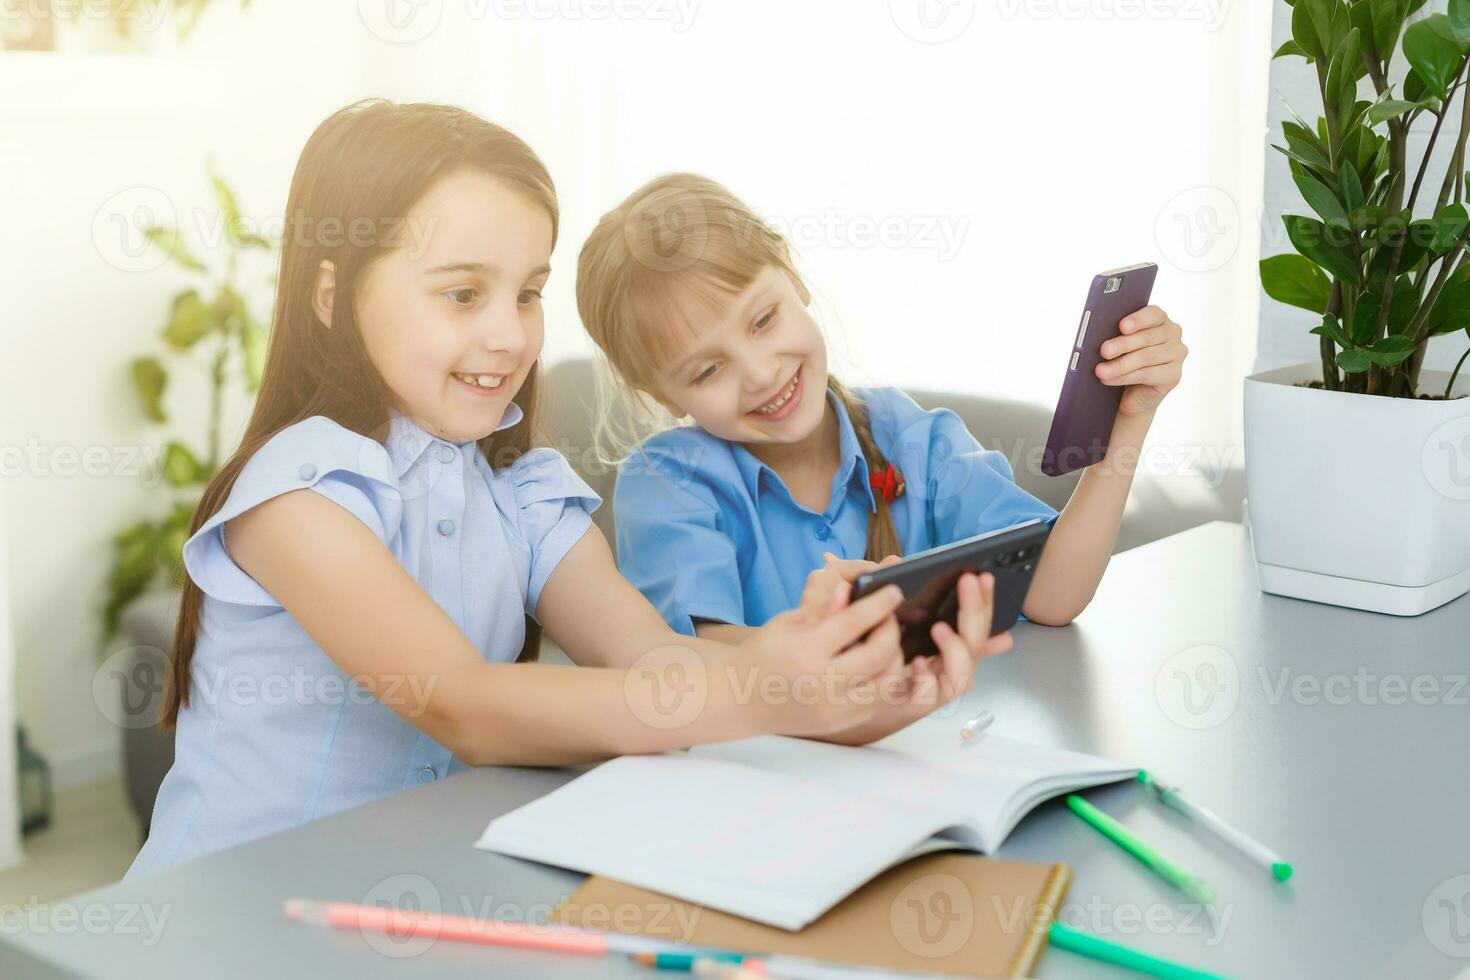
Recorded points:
367,571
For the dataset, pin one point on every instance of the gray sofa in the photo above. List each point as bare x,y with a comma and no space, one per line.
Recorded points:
1160,505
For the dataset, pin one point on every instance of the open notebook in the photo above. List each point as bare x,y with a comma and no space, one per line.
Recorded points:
779,830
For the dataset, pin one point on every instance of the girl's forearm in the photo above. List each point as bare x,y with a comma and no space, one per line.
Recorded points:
1082,540
724,632
548,715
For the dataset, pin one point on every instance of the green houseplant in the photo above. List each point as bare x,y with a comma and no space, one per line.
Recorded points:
209,328
1383,281
1358,463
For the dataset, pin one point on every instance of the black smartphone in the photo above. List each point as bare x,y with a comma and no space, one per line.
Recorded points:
928,580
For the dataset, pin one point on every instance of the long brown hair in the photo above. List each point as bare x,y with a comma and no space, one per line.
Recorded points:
676,250
368,162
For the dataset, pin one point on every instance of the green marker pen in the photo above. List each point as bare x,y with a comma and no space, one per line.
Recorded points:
1074,941
1156,862
1249,846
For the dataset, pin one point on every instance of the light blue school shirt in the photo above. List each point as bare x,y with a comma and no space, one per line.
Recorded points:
707,531
275,733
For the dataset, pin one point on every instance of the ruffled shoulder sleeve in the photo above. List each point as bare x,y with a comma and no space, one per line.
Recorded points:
314,454
554,509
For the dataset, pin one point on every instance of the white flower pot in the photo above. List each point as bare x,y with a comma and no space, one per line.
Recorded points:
1358,500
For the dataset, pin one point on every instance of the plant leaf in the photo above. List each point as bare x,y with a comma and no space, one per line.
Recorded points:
1308,157
1382,112
229,308
1459,18
1296,281
1322,200
1415,89
1390,351
1349,188
1452,310
173,245
1405,305
1449,222
1365,317
1291,48
1319,243
1387,17
132,570
1304,30
181,468
1429,46
149,380
189,320
225,198
1342,70
1353,361
1329,327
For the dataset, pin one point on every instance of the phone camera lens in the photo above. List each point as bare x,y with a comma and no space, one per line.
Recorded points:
1003,559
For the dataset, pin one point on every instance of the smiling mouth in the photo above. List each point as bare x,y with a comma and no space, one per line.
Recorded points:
480,382
779,402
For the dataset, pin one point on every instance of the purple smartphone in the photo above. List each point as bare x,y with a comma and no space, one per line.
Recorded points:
1086,408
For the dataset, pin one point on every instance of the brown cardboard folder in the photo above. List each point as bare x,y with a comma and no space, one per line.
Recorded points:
943,912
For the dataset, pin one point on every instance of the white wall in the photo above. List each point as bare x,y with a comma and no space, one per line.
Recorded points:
1283,329
83,138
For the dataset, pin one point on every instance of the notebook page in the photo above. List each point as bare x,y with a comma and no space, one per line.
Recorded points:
994,782
774,848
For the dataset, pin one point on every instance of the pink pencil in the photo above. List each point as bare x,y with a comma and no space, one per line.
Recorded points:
491,932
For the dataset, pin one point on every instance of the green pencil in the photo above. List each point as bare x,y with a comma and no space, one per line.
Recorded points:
1065,937
1156,862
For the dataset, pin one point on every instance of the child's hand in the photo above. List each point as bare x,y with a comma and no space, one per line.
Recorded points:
828,587
1147,358
932,682
814,673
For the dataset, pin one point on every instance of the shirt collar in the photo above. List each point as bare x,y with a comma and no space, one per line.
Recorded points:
407,440
849,455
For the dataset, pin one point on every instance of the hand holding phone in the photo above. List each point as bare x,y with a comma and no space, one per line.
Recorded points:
924,684
929,581
1087,407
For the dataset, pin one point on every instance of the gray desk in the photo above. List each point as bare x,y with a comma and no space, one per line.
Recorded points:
1280,714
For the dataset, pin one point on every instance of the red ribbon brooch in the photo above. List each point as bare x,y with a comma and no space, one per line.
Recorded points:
888,484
